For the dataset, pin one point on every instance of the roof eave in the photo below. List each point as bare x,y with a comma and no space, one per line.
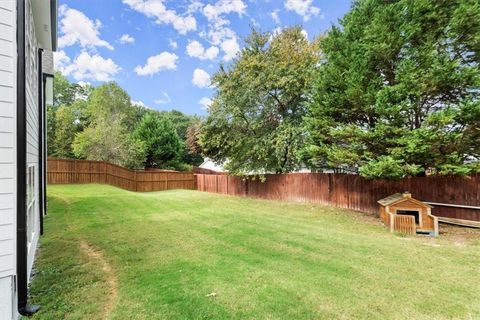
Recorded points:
54,22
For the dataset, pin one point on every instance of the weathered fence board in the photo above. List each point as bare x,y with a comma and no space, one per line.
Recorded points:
352,191
67,171
404,224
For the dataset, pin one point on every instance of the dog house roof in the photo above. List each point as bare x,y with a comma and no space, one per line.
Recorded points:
400,197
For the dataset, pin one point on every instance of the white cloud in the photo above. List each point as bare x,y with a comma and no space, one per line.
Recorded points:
60,60
165,99
196,49
126,38
84,83
304,8
255,23
89,67
219,33
216,35
139,103
214,12
194,6
160,62
205,102
275,16
230,47
201,78
173,44
305,33
276,32
156,9
211,53
76,27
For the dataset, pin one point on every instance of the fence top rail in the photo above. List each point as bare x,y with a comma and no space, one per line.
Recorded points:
342,174
117,166
452,205
72,160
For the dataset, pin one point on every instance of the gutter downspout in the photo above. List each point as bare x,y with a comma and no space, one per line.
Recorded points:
21,163
41,173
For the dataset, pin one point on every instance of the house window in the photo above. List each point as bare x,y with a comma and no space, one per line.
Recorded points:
30,202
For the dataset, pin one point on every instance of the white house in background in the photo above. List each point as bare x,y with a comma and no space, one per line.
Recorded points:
28,35
210,165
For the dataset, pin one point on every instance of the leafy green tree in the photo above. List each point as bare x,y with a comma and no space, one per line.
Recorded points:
182,122
108,140
65,130
179,120
51,130
255,121
111,121
163,147
63,90
192,139
66,93
397,90
69,101
110,101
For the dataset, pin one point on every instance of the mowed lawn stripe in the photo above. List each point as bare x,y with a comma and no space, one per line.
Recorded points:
189,255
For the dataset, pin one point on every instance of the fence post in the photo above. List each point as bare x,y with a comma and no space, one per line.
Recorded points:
227,184
330,187
203,188
136,182
105,171
166,181
216,183
75,177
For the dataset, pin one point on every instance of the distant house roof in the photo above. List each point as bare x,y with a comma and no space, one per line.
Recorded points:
399,197
210,165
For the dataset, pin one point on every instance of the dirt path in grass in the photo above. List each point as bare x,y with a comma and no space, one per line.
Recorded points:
112,282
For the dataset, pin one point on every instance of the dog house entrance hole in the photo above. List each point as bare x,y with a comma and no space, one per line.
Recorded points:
416,214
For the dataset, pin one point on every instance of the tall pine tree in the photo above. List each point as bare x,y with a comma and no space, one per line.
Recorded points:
397,92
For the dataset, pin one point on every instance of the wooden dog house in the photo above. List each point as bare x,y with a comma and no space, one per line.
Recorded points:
402,213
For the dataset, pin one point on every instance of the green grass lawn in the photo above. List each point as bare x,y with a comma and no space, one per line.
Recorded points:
110,253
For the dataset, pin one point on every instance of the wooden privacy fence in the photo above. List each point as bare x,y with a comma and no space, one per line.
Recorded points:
354,192
341,190
65,171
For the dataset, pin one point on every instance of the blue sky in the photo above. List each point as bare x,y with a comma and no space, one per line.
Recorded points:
162,52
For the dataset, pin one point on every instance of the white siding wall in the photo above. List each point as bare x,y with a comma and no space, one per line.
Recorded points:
8,64
31,74
7,309
7,135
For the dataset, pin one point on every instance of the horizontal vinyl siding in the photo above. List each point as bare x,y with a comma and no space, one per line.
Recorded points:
5,33
31,95
6,46
6,125
8,70
6,110
5,219
7,170
7,138
8,5
6,63
6,297
7,201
